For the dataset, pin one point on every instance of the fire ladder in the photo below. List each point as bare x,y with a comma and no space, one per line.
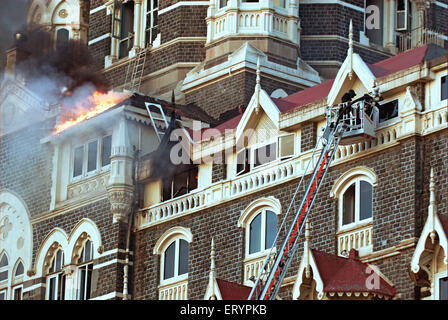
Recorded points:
354,125
135,70
157,116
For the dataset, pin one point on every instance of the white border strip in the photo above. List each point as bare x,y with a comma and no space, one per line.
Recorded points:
111,295
104,36
184,3
113,261
34,287
345,4
102,7
441,4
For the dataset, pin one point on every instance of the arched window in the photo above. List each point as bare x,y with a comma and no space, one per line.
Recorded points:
356,202
4,270
17,289
85,265
62,36
56,278
353,192
262,231
175,260
173,249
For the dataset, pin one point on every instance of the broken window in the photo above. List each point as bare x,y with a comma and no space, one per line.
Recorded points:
388,110
180,183
152,7
123,26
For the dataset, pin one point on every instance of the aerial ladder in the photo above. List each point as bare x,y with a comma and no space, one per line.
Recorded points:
346,123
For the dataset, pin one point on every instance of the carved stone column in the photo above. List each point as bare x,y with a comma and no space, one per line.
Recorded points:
120,188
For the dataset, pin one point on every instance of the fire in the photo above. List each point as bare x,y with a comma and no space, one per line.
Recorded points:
95,104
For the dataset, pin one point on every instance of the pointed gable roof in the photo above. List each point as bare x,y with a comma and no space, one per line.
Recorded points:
348,274
233,291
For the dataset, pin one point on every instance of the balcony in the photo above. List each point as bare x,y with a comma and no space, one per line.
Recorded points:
174,291
252,18
359,238
419,37
279,172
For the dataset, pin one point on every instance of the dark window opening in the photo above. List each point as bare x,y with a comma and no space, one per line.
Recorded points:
62,37
126,24
168,271
388,111
255,235
366,200
271,229
183,257
151,20
443,288
443,88
348,202
181,183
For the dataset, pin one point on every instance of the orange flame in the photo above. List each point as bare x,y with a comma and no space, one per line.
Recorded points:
95,104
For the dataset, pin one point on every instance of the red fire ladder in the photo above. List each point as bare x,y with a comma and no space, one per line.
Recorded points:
348,125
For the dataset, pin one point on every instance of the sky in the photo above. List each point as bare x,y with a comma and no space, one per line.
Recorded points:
12,18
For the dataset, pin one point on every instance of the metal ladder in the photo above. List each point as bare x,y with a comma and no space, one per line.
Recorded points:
135,70
162,118
276,264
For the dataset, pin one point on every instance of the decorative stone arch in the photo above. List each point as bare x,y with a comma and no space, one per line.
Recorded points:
56,239
169,235
17,235
248,214
432,230
14,279
84,230
357,172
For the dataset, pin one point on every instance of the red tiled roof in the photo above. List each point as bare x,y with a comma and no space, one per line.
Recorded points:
233,291
347,274
304,97
399,62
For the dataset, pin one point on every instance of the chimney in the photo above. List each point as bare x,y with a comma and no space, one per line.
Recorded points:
353,254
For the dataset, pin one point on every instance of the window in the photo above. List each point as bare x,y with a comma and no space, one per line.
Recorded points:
443,288
55,278
222,3
357,202
86,158
286,145
280,3
62,37
18,278
388,110
181,183
17,292
175,260
242,161
4,268
265,154
281,148
443,88
403,15
122,26
262,231
3,294
152,7
85,271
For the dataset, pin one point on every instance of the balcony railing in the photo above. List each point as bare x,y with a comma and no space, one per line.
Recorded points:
359,238
418,37
279,172
174,291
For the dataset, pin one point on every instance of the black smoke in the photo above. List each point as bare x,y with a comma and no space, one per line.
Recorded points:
51,68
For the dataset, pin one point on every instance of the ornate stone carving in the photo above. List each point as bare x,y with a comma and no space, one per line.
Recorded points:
121,198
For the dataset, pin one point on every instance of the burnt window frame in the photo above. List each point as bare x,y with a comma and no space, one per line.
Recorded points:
390,118
168,183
